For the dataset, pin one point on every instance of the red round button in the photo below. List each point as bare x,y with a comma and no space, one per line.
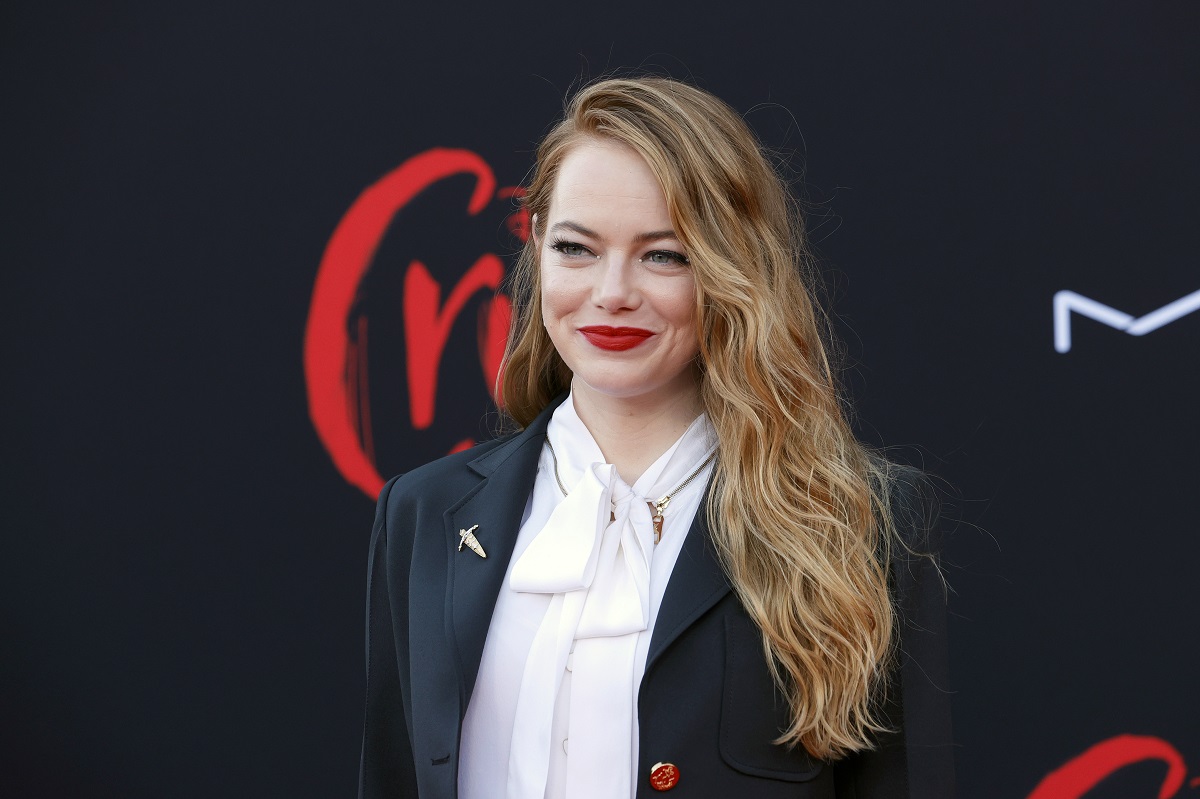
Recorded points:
663,776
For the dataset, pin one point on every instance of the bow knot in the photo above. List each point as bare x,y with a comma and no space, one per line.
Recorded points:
591,542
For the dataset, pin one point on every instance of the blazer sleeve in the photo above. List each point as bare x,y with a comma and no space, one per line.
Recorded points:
386,768
916,759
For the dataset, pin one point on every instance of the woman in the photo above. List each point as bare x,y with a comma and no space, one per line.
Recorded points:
684,573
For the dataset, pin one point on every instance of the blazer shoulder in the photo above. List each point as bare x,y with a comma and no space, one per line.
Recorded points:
446,479
914,502
450,467
912,548
442,482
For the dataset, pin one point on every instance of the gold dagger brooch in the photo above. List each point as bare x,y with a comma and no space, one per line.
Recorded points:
468,537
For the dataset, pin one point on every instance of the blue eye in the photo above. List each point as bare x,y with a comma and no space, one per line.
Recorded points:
665,258
570,249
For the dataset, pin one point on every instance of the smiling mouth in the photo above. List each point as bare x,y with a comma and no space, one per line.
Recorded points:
615,338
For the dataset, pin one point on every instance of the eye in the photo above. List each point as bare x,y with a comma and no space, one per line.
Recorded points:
665,258
570,249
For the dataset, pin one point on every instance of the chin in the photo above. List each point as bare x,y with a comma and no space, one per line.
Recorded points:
634,387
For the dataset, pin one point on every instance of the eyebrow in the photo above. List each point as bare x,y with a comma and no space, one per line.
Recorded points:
641,238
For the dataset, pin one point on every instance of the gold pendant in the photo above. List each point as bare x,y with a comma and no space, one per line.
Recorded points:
657,509
468,538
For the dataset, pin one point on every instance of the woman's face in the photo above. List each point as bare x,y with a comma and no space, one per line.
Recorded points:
618,296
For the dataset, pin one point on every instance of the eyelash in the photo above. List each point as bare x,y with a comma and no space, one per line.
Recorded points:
562,245
678,258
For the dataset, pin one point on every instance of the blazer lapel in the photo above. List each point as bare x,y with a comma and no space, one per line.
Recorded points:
496,506
697,583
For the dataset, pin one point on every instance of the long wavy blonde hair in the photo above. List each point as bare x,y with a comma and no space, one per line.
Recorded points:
798,509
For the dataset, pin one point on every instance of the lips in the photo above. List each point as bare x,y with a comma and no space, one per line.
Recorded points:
615,338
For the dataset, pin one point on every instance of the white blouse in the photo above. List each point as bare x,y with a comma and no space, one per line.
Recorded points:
560,670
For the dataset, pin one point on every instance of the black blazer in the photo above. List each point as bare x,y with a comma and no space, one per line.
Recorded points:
706,703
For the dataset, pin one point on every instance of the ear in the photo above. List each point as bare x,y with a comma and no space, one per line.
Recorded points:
533,231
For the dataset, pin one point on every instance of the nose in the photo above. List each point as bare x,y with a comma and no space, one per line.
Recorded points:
615,288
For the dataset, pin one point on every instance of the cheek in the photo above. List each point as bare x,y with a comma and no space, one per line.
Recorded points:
548,301
560,296
682,306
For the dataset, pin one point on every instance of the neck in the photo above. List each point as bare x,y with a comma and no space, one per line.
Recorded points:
634,432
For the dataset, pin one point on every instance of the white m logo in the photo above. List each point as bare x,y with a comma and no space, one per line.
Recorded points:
1067,301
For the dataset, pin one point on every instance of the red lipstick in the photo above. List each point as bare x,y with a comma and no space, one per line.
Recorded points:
615,338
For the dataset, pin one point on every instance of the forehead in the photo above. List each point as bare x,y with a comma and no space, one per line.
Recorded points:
600,175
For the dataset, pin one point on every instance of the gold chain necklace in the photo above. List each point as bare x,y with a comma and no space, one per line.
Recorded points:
659,507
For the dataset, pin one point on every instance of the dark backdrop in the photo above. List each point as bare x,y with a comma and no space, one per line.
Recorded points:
184,557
